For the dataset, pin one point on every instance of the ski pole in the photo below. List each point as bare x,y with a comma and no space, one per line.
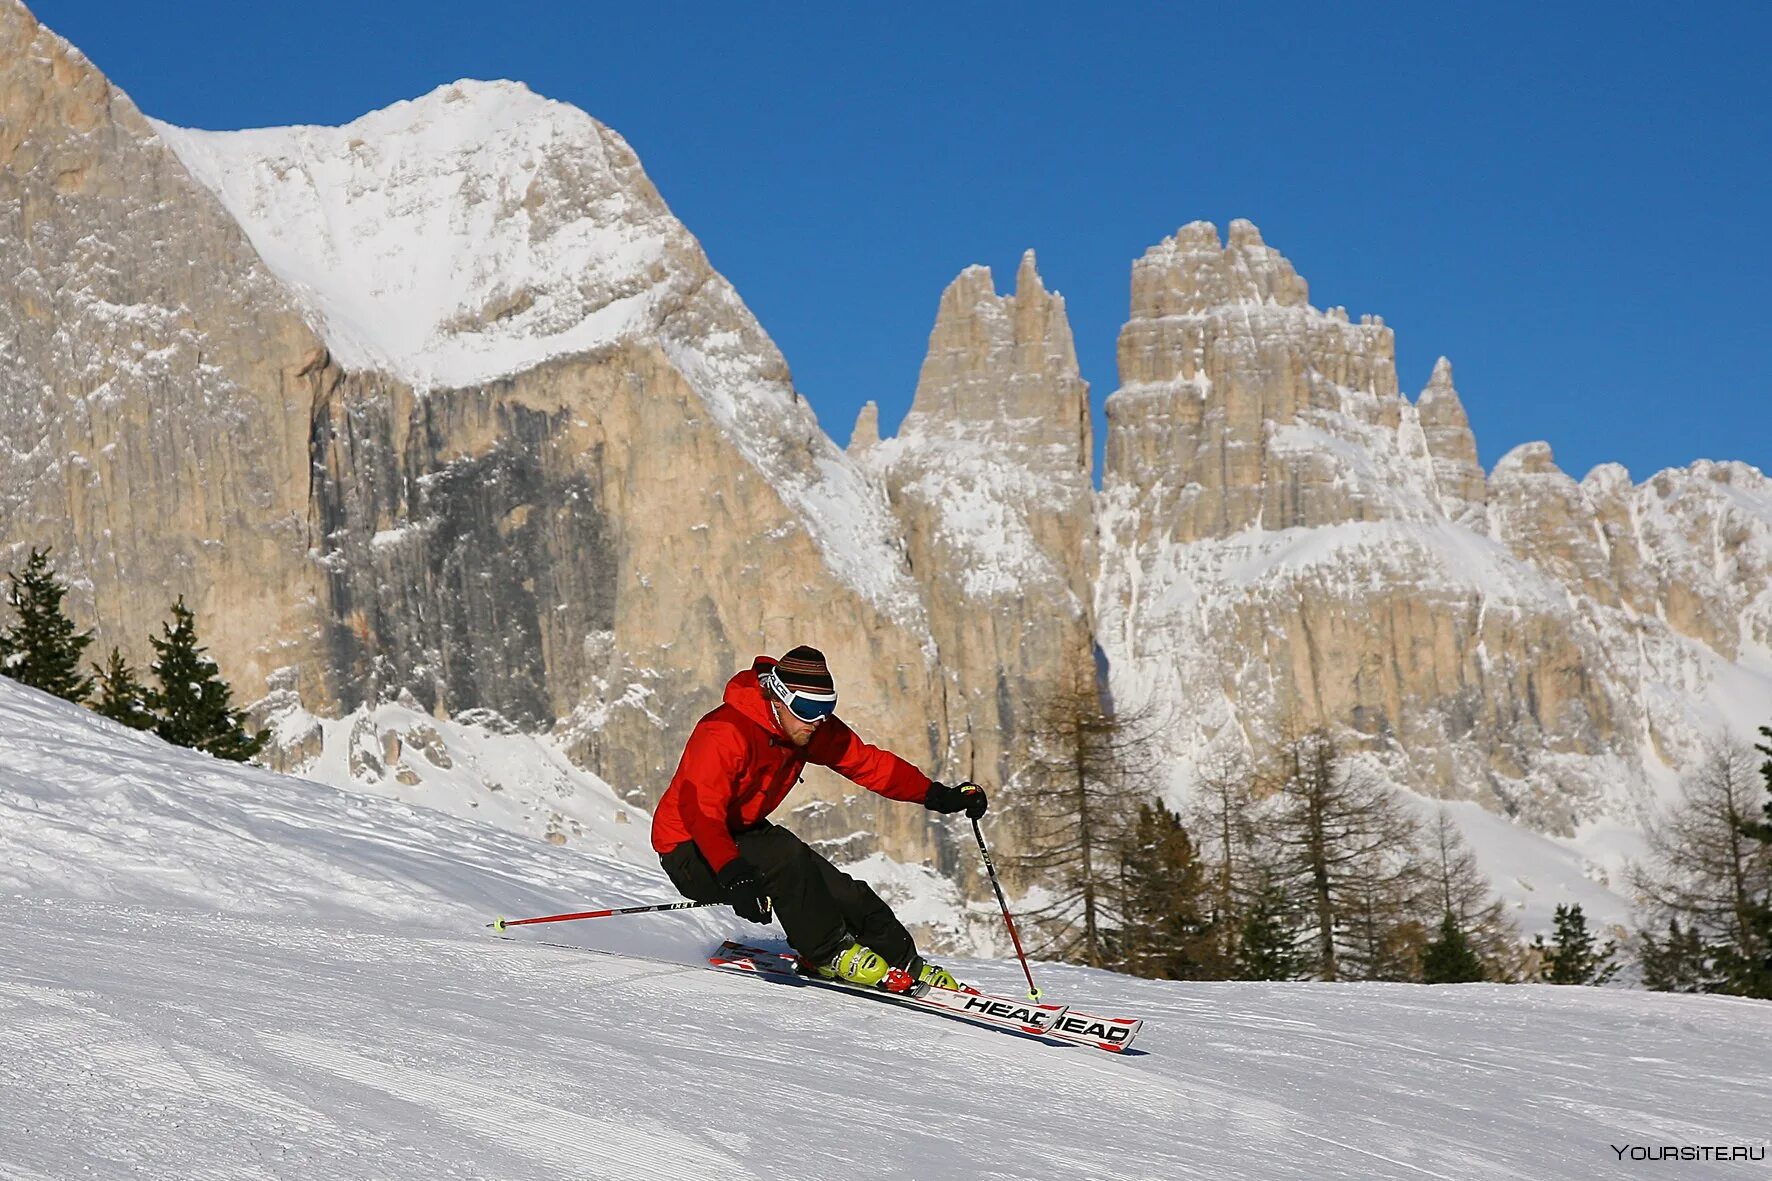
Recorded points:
501,924
1033,992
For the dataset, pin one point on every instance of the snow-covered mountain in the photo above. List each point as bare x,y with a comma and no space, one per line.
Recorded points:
1285,537
214,970
480,231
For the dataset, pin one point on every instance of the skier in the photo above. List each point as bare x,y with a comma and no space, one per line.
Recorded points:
714,840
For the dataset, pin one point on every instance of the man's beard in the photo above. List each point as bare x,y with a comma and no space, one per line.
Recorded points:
798,739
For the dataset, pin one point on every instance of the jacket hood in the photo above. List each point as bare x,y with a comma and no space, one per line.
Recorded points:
744,693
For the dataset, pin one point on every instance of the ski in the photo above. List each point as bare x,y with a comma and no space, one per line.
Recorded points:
1113,1034
994,1012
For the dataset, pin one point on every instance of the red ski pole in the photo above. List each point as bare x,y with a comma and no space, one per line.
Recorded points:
501,924
1033,993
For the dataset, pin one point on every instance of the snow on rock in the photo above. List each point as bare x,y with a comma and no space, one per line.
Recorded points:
992,462
426,238
989,478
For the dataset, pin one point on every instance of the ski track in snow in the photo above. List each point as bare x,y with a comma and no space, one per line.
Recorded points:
209,971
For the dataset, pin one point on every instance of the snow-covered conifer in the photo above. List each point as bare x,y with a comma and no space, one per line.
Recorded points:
43,648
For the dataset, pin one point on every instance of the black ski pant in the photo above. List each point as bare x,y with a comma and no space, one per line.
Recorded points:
821,908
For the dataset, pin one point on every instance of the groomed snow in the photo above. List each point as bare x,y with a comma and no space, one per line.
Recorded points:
215,971
524,783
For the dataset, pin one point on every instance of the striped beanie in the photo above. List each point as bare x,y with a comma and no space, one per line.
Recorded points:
804,668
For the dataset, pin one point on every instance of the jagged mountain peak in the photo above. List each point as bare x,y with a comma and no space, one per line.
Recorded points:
1196,236
866,434
1190,272
974,290
1439,400
1527,459
1442,375
481,231
1607,479
458,110
1244,235
1007,360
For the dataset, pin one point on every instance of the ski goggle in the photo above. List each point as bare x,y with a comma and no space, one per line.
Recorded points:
802,703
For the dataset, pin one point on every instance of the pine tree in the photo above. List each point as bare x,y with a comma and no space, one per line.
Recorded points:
1087,767
121,696
1163,935
1221,816
1267,945
193,701
42,649
1459,888
1570,957
1449,958
1747,968
1708,869
1349,855
1679,963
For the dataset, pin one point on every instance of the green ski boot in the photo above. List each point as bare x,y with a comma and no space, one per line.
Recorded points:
936,976
856,965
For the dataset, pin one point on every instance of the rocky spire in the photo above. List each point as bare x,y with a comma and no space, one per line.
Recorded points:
991,477
1546,519
866,435
1191,273
1458,476
1000,396
1230,382
1005,365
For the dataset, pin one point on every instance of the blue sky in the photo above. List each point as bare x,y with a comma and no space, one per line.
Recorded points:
1572,202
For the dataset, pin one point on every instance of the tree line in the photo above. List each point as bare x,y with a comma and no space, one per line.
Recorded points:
1295,865
188,704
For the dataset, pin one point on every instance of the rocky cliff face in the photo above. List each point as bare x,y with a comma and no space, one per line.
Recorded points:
152,402
1285,538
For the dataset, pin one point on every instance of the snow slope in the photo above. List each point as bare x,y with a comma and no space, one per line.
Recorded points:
478,771
214,971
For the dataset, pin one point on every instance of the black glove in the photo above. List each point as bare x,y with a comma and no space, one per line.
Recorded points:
968,797
744,890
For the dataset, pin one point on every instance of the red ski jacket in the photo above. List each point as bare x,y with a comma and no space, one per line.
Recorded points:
739,765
